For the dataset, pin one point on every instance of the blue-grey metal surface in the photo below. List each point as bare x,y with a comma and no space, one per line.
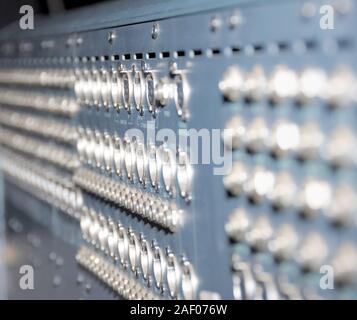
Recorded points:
37,239
117,13
203,239
3,275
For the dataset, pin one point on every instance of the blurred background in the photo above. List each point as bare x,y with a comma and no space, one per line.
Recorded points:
80,202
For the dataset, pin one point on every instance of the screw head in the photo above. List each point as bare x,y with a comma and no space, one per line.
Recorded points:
214,23
111,37
235,19
155,30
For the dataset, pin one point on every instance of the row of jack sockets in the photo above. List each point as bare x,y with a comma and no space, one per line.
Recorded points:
147,206
134,89
310,255
126,286
252,283
51,129
306,141
145,259
338,89
44,183
309,197
56,104
56,155
133,159
309,252
62,78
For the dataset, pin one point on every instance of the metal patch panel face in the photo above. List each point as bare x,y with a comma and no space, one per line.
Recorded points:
86,124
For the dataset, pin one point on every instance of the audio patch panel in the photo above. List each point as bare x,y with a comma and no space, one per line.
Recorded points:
199,155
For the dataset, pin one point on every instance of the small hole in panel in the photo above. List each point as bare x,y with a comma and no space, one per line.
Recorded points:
345,43
151,55
126,56
236,49
311,44
165,54
116,57
138,56
197,52
216,52
258,48
180,53
283,46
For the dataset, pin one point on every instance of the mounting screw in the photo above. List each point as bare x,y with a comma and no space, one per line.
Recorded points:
214,24
308,10
235,19
111,37
155,30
